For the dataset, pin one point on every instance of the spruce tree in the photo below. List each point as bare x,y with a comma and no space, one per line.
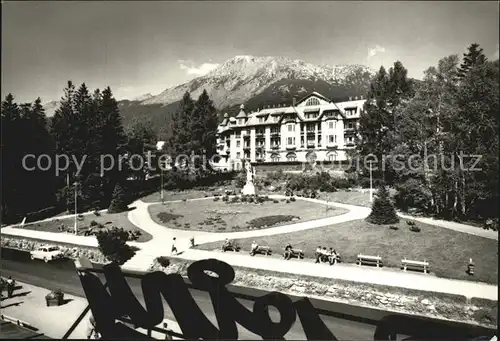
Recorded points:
473,57
209,118
383,211
119,200
11,156
180,141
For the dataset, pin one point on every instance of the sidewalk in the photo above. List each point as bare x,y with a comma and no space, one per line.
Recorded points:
28,305
350,272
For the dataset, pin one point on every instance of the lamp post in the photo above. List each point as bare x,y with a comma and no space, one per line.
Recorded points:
76,213
161,188
371,183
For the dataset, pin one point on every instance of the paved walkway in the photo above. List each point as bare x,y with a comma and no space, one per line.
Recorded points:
352,272
161,245
28,305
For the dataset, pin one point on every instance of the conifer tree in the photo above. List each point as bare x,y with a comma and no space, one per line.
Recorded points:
119,200
474,56
383,211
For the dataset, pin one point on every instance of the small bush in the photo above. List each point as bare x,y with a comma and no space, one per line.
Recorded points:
113,245
235,199
288,201
184,199
244,198
275,201
93,223
393,227
216,199
221,228
415,228
383,211
163,261
292,199
225,198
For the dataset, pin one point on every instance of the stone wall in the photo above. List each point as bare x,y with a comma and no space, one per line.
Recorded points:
437,305
69,251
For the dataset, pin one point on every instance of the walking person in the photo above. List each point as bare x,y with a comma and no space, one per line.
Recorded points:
174,247
10,286
167,336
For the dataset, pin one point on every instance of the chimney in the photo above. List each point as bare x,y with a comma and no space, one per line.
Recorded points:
294,101
350,98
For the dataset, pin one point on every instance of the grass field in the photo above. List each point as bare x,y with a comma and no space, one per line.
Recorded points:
107,219
447,251
216,216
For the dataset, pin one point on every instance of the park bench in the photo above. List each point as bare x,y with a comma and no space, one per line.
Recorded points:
230,247
264,250
369,260
295,253
415,265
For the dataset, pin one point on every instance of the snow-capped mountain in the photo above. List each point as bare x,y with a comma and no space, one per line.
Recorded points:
243,77
50,108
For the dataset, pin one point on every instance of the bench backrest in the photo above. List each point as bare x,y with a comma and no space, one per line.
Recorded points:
415,262
369,257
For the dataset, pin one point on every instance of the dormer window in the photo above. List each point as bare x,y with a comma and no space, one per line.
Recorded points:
312,101
241,121
262,119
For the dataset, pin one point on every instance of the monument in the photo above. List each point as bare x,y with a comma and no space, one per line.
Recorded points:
249,188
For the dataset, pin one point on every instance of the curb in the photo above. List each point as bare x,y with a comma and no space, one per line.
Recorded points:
18,322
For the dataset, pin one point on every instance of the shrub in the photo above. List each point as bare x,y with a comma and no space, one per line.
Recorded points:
163,261
288,201
275,201
292,199
113,245
413,226
235,199
216,199
383,211
225,198
244,198
118,201
240,180
393,227
93,223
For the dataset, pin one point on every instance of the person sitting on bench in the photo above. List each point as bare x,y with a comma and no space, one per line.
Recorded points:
318,253
288,251
334,257
255,246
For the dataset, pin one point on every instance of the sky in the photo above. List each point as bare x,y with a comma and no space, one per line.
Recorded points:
146,47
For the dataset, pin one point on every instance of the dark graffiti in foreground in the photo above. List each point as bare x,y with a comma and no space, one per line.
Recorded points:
213,276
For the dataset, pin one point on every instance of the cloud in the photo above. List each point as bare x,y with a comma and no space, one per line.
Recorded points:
372,52
496,54
200,70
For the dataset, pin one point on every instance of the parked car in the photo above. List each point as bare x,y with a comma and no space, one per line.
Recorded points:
47,253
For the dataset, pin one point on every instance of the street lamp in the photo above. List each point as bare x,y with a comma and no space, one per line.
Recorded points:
76,213
371,182
161,188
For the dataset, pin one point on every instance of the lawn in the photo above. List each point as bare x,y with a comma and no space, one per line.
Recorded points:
216,216
180,195
356,198
106,219
447,251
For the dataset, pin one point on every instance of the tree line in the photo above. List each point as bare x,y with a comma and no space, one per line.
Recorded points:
85,126
446,127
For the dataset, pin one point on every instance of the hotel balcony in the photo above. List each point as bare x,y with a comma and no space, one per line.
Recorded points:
291,146
259,159
349,131
349,144
246,136
246,147
311,144
275,146
275,133
332,145
259,135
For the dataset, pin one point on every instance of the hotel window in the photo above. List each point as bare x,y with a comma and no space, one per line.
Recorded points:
262,119
350,139
241,121
332,157
291,141
275,130
276,118
291,127
312,101
238,134
238,155
332,138
331,125
238,144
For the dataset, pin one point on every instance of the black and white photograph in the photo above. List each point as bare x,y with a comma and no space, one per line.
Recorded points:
250,170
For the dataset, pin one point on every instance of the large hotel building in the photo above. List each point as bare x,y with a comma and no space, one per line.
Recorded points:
314,128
